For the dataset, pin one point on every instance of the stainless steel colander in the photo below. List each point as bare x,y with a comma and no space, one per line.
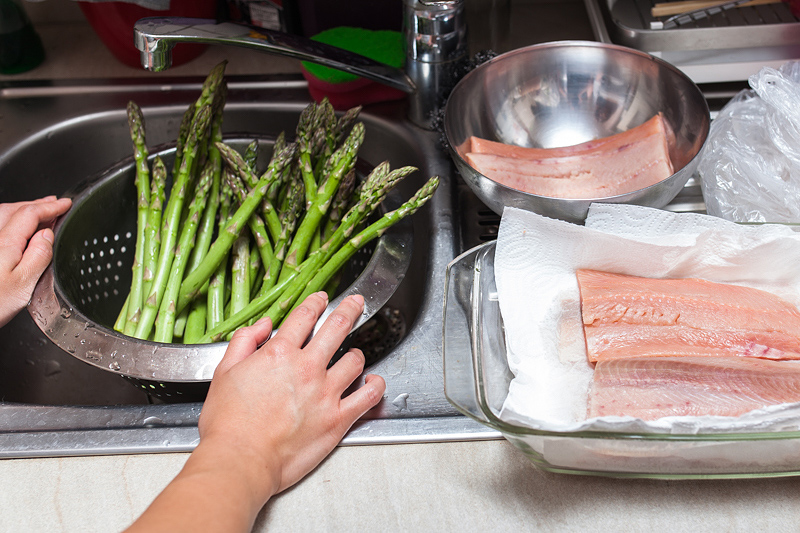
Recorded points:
78,298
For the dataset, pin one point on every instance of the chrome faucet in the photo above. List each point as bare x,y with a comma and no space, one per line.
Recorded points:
435,40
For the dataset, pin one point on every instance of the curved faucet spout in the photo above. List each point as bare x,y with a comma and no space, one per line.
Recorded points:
156,36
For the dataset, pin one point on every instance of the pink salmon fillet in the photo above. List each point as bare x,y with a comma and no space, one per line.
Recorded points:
652,388
629,316
614,165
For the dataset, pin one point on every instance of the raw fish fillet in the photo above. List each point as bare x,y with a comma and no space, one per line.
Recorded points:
629,316
610,166
651,388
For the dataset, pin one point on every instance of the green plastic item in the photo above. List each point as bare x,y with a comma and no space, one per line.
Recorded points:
20,46
385,46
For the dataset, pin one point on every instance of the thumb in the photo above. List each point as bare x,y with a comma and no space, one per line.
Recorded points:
35,258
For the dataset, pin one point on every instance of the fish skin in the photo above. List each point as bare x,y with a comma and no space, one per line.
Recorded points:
611,166
651,388
629,316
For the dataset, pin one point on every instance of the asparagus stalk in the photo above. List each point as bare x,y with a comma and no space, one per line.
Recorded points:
222,245
251,158
216,285
320,266
306,126
196,322
153,238
169,237
339,205
119,324
242,170
376,187
165,322
374,230
240,272
183,135
255,223
140,153
344,158
283,177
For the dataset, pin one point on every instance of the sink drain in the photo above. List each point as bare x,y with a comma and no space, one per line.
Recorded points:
380,334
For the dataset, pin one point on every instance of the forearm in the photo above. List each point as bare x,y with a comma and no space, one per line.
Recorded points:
216,490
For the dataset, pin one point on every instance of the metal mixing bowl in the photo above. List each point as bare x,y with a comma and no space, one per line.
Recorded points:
564,93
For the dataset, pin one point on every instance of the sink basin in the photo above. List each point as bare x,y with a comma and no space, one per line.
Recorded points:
55,135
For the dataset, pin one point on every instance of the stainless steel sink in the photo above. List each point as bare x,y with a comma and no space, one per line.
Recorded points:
55,135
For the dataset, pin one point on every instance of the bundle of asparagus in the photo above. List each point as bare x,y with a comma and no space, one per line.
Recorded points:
227,245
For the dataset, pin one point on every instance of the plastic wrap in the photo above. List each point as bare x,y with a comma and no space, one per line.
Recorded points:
750,166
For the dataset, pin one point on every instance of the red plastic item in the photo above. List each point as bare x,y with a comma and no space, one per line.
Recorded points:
113,22
343,96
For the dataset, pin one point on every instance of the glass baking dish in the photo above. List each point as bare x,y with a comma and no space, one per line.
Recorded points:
477,377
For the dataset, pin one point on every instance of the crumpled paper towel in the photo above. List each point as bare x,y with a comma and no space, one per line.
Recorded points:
535,262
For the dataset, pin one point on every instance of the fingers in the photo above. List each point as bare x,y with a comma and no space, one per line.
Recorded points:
345,371
7,210
337,327
298,325
363,399
24,218
244,342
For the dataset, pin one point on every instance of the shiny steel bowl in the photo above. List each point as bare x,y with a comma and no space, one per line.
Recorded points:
567,92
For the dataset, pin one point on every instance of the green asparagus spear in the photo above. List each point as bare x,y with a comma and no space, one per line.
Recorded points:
255,223
136,125
250,157
344,159
376,229
222,245
169,238
242,170
216,285
240,272
153,239
339,205
196,322
183,134
165,322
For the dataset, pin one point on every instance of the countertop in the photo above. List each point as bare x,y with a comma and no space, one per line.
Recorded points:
456,486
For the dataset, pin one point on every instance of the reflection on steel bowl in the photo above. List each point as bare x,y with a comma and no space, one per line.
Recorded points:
568,92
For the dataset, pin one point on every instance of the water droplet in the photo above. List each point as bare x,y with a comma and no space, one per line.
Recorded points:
51,368
93,355
114,366
152,421
401,402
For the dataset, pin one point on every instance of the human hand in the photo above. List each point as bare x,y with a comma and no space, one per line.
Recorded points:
279,407
25,250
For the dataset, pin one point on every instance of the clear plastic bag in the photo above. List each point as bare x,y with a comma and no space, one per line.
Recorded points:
750,166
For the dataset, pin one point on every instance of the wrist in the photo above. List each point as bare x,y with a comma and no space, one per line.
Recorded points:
247,474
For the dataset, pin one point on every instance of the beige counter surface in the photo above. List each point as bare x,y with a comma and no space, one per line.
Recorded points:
466,486
457,486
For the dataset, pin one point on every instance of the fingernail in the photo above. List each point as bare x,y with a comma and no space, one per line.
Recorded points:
261,321
48,235
323,295
358,299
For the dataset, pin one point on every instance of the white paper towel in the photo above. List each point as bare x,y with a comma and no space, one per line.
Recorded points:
535,262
